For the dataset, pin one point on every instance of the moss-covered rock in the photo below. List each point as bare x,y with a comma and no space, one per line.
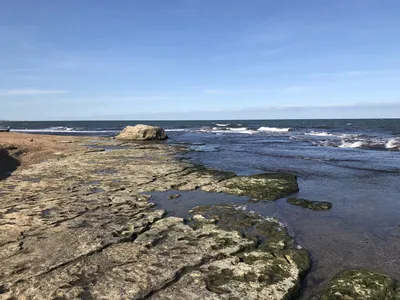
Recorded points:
268,186
270,235
174,196
279,263
360,284
314,205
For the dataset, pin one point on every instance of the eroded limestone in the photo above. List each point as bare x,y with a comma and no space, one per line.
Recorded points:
78,227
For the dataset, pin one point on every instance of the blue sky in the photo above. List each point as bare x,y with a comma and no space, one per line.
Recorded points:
199,59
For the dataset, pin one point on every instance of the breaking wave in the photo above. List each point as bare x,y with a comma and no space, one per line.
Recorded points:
369,143
237,129
315,133
393,144
175,129
327,134
357,144
242,130
274,129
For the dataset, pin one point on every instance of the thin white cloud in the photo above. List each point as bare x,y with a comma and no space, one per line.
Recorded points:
352,73
287,89
30,92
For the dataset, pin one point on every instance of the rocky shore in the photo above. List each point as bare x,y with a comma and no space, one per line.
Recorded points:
76,223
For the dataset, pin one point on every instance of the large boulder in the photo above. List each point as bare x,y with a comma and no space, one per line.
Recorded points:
142,133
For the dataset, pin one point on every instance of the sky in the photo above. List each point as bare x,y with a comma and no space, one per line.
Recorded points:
199,59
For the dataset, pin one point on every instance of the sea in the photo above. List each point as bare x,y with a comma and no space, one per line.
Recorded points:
354,164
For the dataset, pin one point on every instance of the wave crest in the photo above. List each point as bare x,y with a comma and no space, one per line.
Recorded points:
274,129
357,144
393,144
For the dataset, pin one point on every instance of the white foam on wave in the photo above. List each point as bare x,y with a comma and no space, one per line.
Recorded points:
339,135
243,130
175,129
237,129
222,125
60,128
274,129
316,133
348,135
357,144
228,130
368,143
393,144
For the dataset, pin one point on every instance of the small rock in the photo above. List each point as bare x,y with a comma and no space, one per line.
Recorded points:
314,205
199,219
91,150
175,196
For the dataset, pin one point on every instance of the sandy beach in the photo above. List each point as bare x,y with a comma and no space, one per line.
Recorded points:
33,148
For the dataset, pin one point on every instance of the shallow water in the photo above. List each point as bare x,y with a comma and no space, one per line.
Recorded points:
181,206
337,239
361,230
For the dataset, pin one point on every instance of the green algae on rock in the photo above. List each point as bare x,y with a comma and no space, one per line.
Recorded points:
268,186
360,284
269,233
313,205
174,196
276,264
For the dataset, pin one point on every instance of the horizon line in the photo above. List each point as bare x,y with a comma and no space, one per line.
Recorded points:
195,120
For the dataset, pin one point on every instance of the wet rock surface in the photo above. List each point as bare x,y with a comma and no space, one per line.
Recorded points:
79,227
270,268
313,205
269,186
360,284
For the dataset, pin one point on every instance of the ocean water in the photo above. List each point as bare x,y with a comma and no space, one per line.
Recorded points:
355,164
